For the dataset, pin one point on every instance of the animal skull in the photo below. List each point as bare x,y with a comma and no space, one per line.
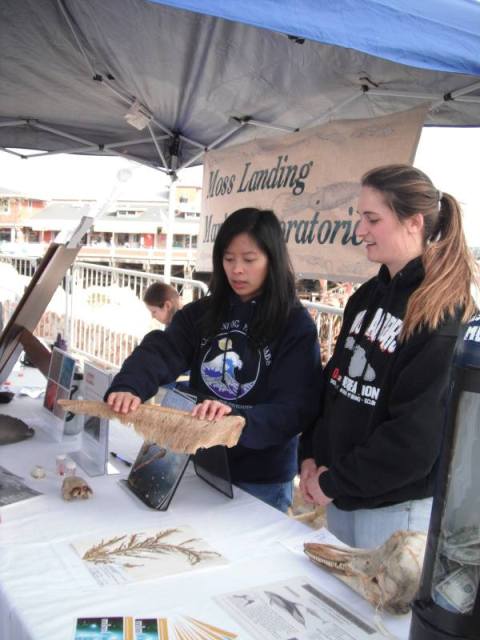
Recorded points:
75,488
388,576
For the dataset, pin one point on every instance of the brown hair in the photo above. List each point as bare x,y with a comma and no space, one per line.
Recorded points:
450,269
158,293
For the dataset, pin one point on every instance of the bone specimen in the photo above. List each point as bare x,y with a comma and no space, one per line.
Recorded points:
388,576
75,488
178,430
38,472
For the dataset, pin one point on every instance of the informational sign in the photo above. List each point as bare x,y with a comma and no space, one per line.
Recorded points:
93,453
311,180
295,609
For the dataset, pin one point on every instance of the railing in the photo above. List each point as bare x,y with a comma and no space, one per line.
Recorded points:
24,266
96,288
328,321
102,305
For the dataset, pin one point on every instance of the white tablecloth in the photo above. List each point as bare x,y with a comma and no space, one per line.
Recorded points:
42,592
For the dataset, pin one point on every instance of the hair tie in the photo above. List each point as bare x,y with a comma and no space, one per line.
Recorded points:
440,196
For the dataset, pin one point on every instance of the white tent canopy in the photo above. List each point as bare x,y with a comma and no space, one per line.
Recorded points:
161,84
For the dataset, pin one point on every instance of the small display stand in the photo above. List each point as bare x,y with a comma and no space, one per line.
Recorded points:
92,456
59,387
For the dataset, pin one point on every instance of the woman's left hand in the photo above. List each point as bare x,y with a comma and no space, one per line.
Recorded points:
211,410
314,490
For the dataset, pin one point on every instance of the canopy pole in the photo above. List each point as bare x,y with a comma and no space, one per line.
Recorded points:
167,270
157,146
214,144
14,153
329,112
13,123
468,89
58,132
387,93
267,125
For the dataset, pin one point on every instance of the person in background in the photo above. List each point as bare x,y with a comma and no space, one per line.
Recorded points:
162,301
251,347
372,456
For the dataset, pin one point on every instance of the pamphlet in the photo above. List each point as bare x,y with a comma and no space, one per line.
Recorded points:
13,489
179,627
129,557
295,608
128,628
104,628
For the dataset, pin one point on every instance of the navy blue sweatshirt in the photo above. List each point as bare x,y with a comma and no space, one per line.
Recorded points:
383,408
274,386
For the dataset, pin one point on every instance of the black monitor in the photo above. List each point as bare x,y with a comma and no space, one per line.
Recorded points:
17,335
30,308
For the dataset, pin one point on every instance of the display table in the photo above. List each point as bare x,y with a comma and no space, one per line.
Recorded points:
41,594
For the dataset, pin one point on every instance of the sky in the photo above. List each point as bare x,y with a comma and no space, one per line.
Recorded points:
448,155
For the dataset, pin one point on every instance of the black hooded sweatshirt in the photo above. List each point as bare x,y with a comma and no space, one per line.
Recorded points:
381,422
275,386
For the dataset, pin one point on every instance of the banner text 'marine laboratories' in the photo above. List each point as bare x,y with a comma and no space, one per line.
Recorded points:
304,231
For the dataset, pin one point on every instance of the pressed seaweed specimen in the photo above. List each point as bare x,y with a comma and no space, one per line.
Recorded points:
135,545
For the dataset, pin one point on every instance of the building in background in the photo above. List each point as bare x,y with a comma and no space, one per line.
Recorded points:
15,209
131,233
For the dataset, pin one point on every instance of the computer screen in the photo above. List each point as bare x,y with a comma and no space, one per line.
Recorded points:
33,303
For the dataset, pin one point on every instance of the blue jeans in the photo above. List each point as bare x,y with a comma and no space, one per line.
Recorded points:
277,494
367,528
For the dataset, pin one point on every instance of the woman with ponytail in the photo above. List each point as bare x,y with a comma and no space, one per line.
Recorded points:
371,457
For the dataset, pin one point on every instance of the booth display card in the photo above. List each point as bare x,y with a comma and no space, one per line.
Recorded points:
179,627
92,456
104,628
155,475
211,465
295,608
59,387
128,628
157,471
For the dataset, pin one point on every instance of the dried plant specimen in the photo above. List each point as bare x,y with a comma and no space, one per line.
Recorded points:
119,549
177,430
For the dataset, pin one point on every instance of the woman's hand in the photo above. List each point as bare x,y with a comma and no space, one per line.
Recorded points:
307,469
123,401
313,489
211,410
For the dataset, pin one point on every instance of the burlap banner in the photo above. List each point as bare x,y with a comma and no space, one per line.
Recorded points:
311,180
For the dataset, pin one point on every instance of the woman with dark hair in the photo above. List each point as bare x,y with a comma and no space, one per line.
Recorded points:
251,347
372,456
163,301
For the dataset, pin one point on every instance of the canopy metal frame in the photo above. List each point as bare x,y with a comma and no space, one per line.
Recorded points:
168,144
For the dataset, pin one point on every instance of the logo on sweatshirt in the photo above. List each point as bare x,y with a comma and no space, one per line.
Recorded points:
230,367
382,330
